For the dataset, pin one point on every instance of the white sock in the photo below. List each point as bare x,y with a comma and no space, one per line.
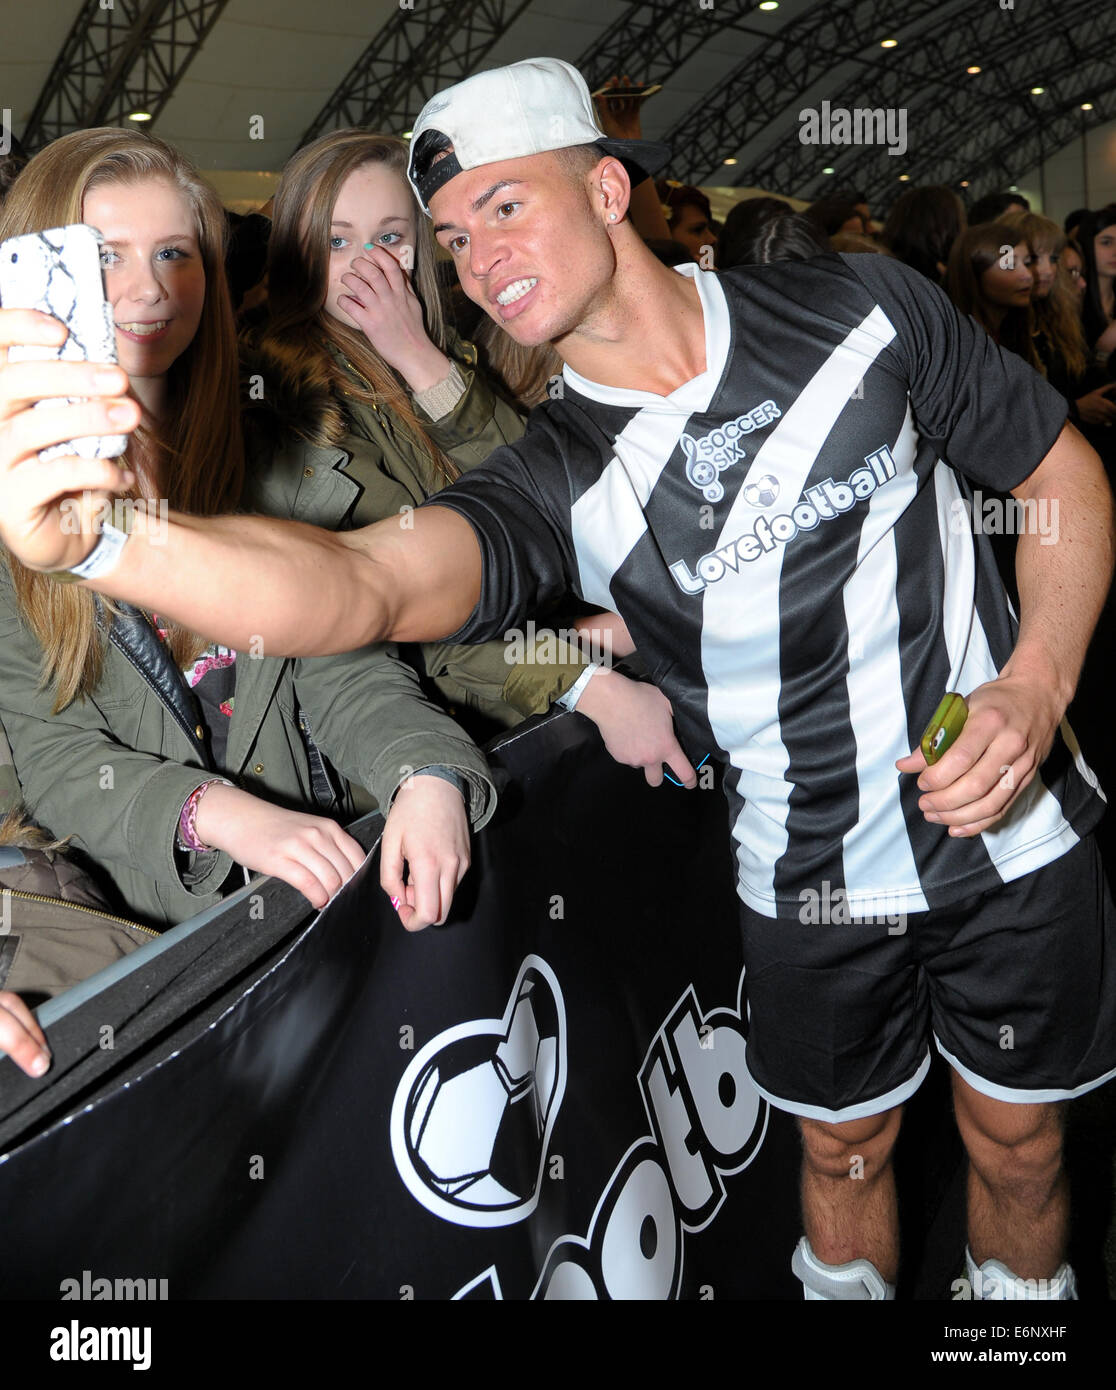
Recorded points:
858,1279
993,1280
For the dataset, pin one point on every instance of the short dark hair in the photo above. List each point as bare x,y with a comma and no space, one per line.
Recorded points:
831,214
789,236
742,223
577,160
675,197
994,205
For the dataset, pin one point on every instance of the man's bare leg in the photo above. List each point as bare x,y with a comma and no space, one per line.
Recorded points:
849,1208
1018,1191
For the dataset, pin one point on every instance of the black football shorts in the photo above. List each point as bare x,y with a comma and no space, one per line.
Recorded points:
1016,985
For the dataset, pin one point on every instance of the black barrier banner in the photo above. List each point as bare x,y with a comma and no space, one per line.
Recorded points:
546,1098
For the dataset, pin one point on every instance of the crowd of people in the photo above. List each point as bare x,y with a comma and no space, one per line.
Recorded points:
347,383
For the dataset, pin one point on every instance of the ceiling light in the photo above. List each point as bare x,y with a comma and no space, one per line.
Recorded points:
1037,91
139,115
888,43
973,69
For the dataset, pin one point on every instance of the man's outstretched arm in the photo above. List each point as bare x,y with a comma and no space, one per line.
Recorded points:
288,589
297,590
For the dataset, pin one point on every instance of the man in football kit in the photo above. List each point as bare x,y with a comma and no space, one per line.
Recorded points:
767,474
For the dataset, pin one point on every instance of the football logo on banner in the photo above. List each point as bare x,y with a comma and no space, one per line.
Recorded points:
476,1099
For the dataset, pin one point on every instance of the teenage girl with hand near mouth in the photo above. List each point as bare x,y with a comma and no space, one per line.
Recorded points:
170,760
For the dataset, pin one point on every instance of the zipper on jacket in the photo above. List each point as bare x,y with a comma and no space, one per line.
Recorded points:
79,907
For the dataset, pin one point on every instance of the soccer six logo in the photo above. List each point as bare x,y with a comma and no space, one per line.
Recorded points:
707,457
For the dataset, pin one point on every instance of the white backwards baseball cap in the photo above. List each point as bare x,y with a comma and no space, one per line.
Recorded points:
526,108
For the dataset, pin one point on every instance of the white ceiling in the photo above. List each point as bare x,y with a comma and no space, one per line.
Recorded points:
282,59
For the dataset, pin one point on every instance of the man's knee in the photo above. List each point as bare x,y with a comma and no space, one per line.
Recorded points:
1017,1143
853,1148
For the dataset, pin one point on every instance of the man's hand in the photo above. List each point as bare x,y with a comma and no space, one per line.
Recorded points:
311,853
49,511
21,1037
636,723
386,309
1007,735
427,827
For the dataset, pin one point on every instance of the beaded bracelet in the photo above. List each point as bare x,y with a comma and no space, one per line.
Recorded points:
188,818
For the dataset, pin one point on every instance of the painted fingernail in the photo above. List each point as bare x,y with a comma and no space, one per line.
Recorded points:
395,903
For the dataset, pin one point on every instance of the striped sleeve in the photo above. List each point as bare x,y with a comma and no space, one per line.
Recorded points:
527,561
990,414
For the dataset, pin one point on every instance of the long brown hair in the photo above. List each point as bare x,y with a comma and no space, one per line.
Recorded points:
525,373
974,251
197,441
922,227
295,341
1056,315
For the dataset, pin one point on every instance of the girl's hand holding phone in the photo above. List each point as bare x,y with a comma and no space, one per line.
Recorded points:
50,512
383,305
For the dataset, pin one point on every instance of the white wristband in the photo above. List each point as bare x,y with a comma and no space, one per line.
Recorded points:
104,555
570,698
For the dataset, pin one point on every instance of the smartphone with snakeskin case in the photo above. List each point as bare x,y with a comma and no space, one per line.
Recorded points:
59,272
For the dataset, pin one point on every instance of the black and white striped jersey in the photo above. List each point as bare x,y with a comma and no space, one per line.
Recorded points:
788,538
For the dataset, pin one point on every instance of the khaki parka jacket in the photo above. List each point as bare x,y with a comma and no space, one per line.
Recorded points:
374,470
113,770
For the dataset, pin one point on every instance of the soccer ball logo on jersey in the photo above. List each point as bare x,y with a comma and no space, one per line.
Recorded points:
708,457
768,534
764,492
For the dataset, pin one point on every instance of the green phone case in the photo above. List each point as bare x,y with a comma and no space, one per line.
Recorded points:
947,723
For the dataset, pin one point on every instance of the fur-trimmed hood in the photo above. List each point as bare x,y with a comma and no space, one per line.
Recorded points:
279,402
